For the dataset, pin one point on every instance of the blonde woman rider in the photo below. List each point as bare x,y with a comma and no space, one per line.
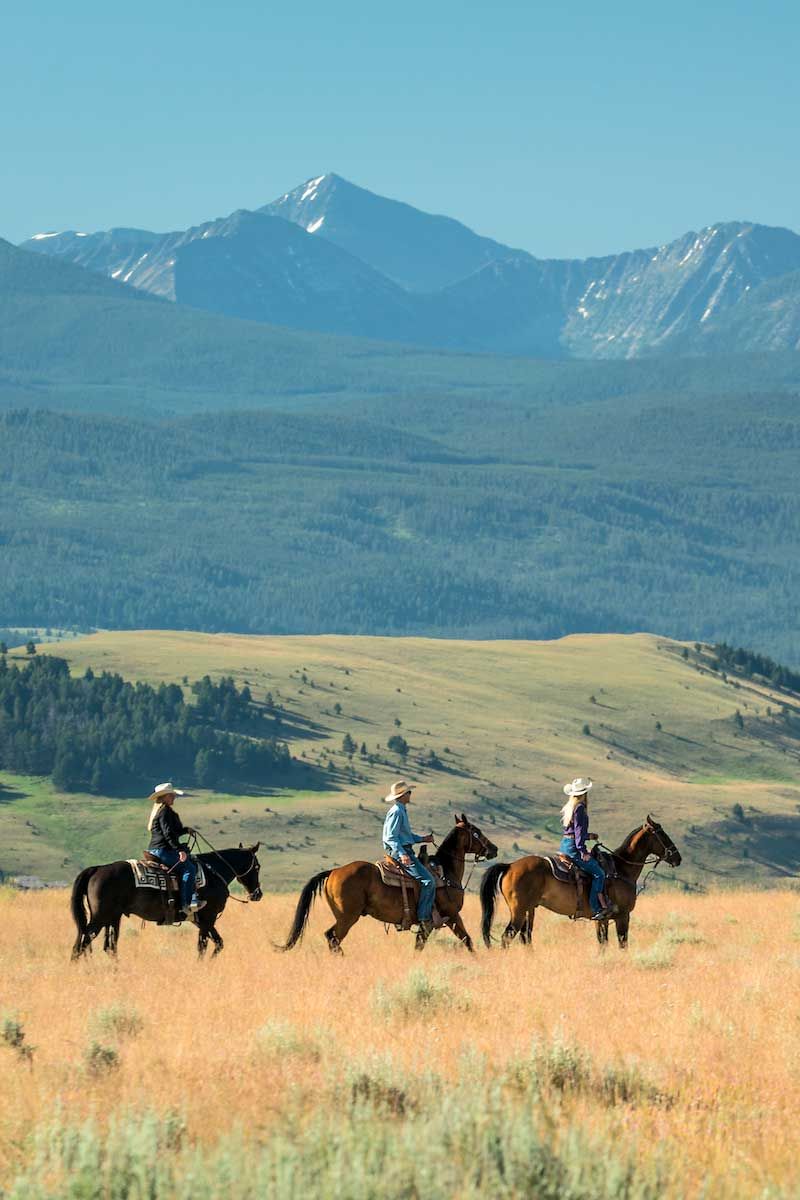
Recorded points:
575,823
166,829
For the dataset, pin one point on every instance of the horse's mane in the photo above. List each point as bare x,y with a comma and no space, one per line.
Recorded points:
444,855
626,841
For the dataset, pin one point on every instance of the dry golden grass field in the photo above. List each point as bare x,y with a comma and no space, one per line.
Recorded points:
557,1071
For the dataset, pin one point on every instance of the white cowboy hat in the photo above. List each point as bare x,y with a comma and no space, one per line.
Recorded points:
578,787
398,789
164,789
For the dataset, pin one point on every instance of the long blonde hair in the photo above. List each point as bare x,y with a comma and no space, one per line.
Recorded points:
572,803
154,811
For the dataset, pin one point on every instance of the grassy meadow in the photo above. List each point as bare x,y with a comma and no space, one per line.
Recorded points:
561,1071
507,723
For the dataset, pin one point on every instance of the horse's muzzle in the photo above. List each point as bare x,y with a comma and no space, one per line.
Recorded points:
257,895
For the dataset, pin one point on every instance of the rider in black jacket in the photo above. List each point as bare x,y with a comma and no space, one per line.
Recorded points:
166,830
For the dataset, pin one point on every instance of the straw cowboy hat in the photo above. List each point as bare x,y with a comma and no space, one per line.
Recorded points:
398,789
164,789
578,787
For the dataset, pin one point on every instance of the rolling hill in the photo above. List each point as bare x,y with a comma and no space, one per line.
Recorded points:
493,728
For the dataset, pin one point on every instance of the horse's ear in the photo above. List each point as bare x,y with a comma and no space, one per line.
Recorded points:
649,821
254,849
241,847
464,818
458,818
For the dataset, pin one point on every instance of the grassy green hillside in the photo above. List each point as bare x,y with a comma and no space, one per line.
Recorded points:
493,728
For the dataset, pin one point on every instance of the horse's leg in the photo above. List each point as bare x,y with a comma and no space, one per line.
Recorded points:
216,939
522,891
622,921
459,929
338,932
601,929
111,938
526,932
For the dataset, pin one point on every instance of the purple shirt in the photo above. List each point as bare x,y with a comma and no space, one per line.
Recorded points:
578,828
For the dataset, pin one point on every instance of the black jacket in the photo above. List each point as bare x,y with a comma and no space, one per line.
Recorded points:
167,830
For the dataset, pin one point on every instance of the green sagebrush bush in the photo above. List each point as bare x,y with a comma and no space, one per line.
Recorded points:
380,1131
117,1020
12,1034
419,994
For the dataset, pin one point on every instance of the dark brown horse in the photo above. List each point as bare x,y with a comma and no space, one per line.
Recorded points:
357,890
110,893
528,883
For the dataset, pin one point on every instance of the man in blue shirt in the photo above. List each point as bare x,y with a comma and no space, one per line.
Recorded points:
398,842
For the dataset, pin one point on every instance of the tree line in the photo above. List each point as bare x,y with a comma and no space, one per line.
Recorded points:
736,660
102,734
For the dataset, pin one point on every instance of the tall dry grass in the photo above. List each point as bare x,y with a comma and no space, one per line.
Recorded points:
672,1070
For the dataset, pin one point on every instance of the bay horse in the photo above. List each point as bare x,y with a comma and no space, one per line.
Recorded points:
357,890
110,892
528,883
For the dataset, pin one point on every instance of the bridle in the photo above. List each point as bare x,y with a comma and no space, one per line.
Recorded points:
653,862
667,849
477,836
254,863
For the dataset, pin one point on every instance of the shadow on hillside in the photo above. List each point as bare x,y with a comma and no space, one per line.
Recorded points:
8,795
771,841
288,726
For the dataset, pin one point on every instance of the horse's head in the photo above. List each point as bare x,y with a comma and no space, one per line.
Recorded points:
660,843
248,876
473,841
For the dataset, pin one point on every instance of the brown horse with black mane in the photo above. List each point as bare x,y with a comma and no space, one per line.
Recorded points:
529,882
357,890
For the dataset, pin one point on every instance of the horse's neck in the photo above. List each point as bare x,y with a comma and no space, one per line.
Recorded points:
222,861
630,856
450,856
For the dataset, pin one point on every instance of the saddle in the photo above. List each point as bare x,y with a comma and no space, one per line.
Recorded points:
150,872
566,870
394,875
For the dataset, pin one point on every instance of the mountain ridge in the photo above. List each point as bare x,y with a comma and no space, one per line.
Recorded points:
332,257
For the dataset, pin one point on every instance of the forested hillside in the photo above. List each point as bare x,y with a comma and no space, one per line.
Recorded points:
102,734
674,513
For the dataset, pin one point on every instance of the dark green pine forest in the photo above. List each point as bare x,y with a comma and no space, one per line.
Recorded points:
166,468
102,734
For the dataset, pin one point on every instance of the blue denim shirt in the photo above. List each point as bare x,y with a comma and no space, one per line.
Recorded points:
398,837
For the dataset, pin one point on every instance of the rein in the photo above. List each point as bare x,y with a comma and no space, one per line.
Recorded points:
480,855
238,877
653,862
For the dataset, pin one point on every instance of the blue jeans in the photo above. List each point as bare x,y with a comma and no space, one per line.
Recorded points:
427,886
188,873
592,867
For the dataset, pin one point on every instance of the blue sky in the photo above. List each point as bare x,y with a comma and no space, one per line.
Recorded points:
567,129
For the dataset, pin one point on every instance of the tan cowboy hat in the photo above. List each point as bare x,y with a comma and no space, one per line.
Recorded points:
163,789
398,789
578,787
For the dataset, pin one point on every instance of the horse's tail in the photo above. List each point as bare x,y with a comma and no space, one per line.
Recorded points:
78,907
307,898
489,887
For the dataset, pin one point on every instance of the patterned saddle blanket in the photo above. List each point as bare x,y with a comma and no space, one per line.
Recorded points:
148,876
565,870
394,876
